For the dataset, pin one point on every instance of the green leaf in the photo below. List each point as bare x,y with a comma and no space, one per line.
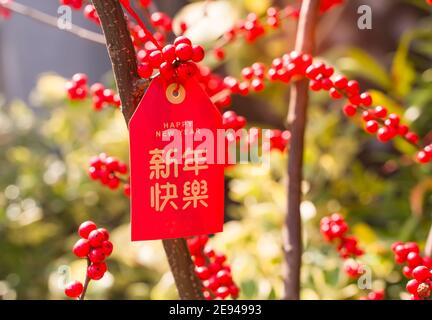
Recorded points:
359,62
381,99
402,71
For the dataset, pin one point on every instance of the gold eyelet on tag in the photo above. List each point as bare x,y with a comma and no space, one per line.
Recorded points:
175,93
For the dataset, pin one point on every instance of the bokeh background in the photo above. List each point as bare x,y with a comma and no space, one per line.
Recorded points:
46,142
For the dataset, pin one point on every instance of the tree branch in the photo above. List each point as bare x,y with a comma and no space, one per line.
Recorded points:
297,122
131,89
52,21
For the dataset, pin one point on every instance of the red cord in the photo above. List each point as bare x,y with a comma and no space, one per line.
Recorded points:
131,11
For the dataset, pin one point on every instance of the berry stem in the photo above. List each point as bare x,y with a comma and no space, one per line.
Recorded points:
52,21
86,282
297,123
123,58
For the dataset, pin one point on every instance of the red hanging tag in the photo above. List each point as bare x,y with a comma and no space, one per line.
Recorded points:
177,187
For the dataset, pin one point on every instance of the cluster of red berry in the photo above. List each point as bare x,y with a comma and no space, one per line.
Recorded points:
95,246
213,84
230,120
353,268
417,268
77,89
174,61
212,270
107,169
334,229
253,77
103,97
295,65
376,120
374,295
425,155
252,27
277,139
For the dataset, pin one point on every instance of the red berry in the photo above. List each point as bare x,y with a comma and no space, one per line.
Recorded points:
407,271
155,58
197,53
412,286
384,134
234,291
96,270
144,3
145,70
257,85
220,258
96,255
222,292
113,183
80,79
169,53
93,173
340,82
326,84
104,232
380,112
74,289
127,190
81,248
85,228
414,259
111,164
412,247
182,39
423,157
184,51
402,130
421,273
315,85
167,70
335,94
97,88
392,120
223,277
219,53
366,99
349,110
186,70
366,116
107,248
96,238
202,272
372,126
352,87
412,137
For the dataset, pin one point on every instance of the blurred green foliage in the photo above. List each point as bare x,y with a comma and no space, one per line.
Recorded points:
45,192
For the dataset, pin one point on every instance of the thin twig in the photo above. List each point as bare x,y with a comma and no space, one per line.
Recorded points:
52,21
86,282
297,116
